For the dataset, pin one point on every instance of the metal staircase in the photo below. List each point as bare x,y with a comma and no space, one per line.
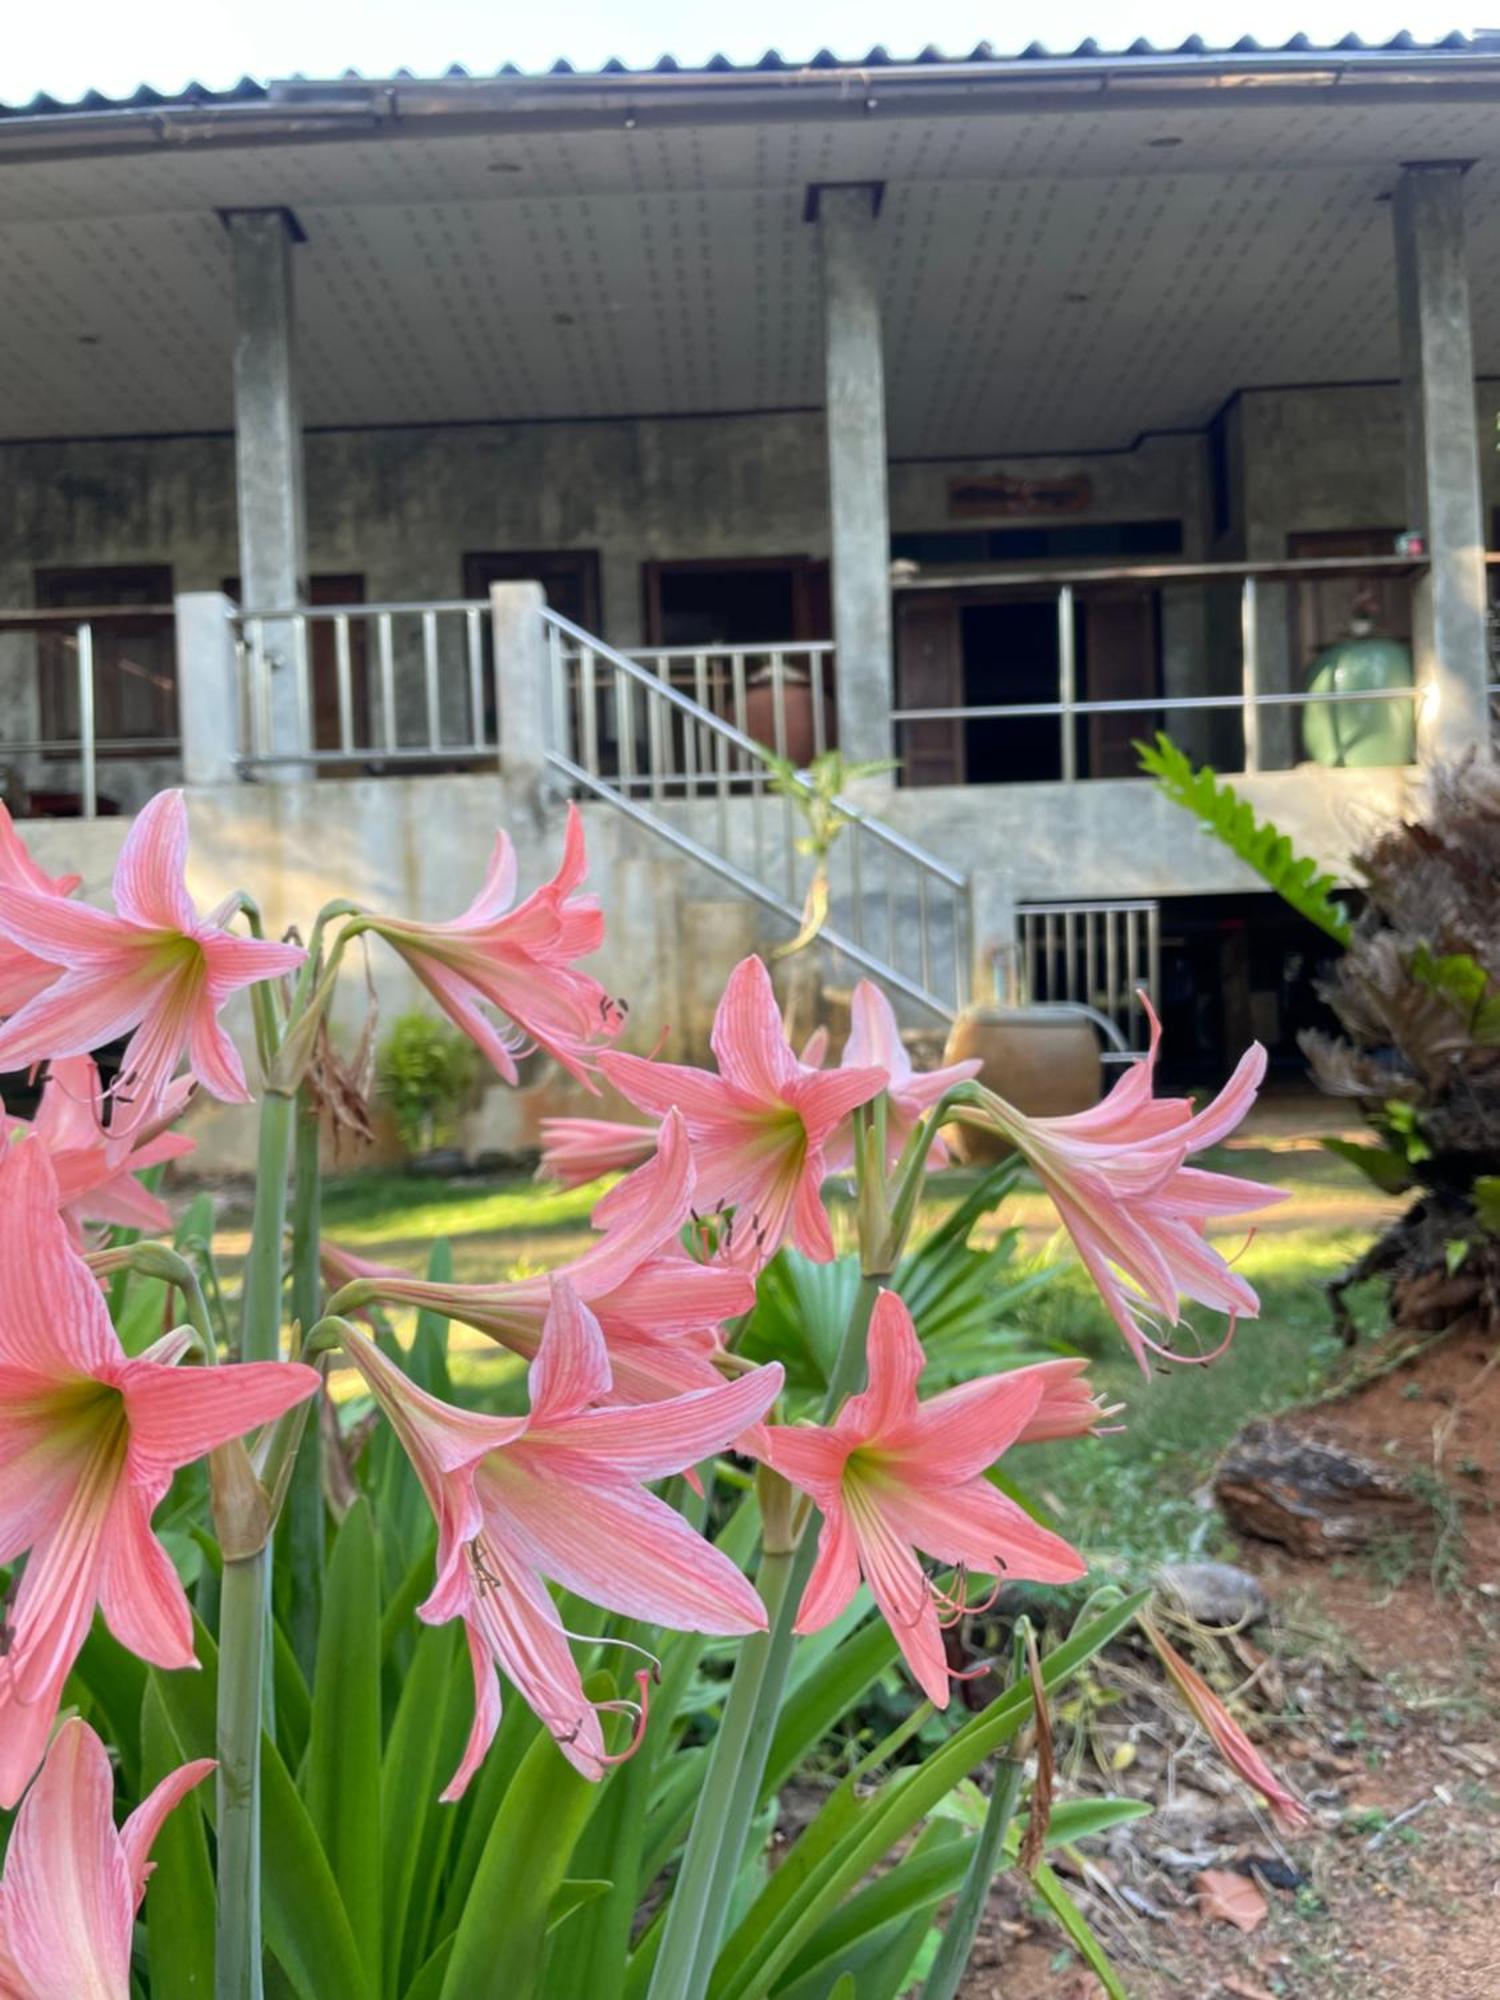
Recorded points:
685,768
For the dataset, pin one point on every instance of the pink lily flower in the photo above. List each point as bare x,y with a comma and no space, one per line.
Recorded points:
1231,1741
96,1172
760,1128
89,1441
72,1884
659,1309
892,1475
156,970
518,961
1137,1213
559,1495
576,1151
874,1037
22,975
1067,1407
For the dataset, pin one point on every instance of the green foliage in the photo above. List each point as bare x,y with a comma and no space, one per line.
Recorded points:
1383,1166
425,1072
1467,987
1218,807
817,795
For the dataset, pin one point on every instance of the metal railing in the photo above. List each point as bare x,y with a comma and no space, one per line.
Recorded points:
781,696
1249,701
1098,955
705,786
370,684
63,671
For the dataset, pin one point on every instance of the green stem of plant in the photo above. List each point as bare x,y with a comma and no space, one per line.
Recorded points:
963,1924
302,1528
731,1785
244,1603
242,1658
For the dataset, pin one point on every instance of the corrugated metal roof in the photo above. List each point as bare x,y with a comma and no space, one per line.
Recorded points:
249,90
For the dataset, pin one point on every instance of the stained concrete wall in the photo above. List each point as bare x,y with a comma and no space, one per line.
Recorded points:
673,930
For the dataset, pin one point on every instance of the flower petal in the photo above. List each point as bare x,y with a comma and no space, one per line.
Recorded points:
616,1545
653,1440
68,1900
835,1574
179,1414
142,1599
138,1834
53,1319
150,886
748,1040
981,1528
571,1369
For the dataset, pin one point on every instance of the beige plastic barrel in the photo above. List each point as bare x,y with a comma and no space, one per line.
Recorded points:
1044,1066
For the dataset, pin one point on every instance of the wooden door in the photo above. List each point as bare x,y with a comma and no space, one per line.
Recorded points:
929,674
1320,612
1118,661
135,659
569,578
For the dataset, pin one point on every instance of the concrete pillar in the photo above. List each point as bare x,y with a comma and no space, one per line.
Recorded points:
268,453
1442,460
208,691
523,688
857,474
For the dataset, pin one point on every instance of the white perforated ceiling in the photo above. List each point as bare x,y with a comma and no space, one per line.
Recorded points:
1052,280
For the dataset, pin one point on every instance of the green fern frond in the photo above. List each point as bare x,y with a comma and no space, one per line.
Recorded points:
1221,811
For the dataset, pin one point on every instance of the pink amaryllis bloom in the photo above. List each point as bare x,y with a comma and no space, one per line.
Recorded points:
518,962
759,1129
1231,1741
22,974
875,1038
892,1475
1067,1407
659,1308
96,1171
89,1441
559,1495
72,1884
576,1151
156,970
1137,1213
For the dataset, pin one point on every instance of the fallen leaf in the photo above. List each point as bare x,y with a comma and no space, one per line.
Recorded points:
1233,1899
1243,1990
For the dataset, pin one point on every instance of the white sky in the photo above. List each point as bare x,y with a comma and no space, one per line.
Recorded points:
112,45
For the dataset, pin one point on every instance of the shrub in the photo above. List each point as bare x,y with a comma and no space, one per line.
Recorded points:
425,1073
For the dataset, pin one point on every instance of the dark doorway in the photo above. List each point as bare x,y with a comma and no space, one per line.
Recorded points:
1010,657
569,578
757,601
135,660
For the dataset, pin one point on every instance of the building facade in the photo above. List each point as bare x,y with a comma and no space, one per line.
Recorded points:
983,414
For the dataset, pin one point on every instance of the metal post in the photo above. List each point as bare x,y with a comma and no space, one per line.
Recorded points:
86,748
1067,681
1249,670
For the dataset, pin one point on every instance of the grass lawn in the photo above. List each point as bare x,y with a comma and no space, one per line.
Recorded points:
1127,1498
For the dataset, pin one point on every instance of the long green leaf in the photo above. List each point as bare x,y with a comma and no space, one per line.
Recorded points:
180,1905
411,1777
1079,1933
307,1926
342,1775
498,1946
1221,811
757,1954
923,1878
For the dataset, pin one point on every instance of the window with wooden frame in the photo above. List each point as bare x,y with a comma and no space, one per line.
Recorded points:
135,655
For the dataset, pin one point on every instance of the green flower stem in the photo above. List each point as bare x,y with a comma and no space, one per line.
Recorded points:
963,1925
302,1531
244,1601
242,1659
737,1763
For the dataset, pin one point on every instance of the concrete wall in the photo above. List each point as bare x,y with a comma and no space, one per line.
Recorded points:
673,929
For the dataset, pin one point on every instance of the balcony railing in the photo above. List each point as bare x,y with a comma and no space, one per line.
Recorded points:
1262,650
370,685
81,685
